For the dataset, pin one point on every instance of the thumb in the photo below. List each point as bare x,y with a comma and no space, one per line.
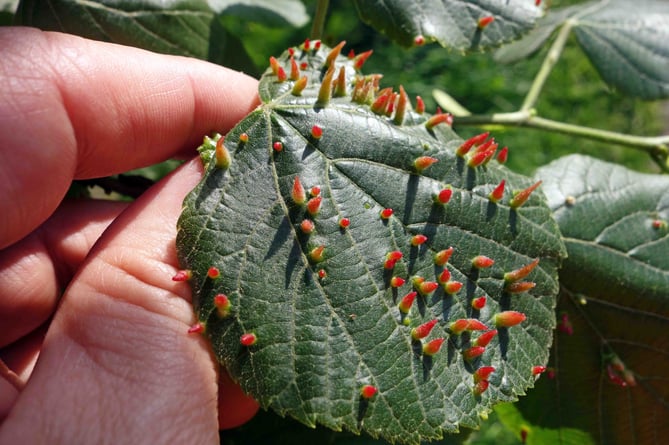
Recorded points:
117,360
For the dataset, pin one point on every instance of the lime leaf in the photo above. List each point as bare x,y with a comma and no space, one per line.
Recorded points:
170,27
310,323
452,23
625,41
7,10
183,28
611,354
530,434
269,12
535,39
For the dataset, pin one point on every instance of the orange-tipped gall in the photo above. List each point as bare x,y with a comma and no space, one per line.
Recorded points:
522,196
506,319
297,193
407,301
423,330
433,346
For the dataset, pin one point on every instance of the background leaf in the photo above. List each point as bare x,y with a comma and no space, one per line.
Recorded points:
625,41
188,28
269,12
615,295
510,416
170,27
7,10
452,23
536,38
321,339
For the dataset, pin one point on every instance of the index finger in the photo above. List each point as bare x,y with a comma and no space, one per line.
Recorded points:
72,108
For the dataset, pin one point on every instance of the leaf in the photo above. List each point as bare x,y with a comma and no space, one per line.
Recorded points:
183,28
170,26
535,39
625,41
7,10
534,435
320,339
615,295
452,23
269,12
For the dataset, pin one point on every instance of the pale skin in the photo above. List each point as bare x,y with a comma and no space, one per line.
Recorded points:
93,332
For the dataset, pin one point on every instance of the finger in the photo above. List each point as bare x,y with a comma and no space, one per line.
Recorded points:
9,390
117,358
36,270
16,364
234,407
75,108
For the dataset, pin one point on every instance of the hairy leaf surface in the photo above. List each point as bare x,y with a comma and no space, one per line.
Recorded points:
328,324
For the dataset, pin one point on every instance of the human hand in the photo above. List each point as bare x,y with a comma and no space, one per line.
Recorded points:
116,362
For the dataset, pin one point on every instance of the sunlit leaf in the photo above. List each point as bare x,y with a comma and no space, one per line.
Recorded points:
186,28
327,321
626,41
452,23
270,12
171,27
536,38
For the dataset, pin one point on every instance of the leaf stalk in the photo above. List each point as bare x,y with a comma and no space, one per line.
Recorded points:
318,25
547,66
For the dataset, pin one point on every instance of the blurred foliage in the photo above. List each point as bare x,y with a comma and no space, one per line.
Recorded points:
7,8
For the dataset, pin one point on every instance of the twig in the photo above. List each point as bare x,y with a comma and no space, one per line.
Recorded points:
656,146
549,62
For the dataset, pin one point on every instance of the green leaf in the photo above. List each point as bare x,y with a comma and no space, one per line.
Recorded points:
320,339
535,39
452,23
170,27
511,417
184,28
7,10
626,41
615,295
269,12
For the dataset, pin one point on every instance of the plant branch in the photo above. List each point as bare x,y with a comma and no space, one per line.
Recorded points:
551,59
318,25
657,146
